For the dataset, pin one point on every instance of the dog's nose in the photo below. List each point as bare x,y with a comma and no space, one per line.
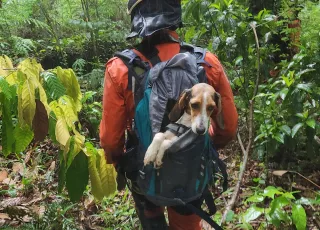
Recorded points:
200,130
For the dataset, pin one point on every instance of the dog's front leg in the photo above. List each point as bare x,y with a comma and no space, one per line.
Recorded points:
164,146
153,148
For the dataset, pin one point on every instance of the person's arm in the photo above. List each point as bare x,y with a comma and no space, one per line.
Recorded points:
218,79
117,110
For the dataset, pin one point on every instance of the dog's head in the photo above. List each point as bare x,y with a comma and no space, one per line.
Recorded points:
201,102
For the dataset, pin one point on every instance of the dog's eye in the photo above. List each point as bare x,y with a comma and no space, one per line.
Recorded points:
210,108
195,105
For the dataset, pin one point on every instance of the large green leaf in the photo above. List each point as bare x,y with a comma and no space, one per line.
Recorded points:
6,89
295,129
270,191
299,217
23,135
252,213
52,126
77,146
77,177
28,101
7,129
70,82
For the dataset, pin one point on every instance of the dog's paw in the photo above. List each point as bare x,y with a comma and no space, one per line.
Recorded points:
158,162
149,157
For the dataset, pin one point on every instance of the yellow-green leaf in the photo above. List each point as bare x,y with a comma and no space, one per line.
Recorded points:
70,82
77,146
62,132
30,68
23,136
28,101
5,65
108,175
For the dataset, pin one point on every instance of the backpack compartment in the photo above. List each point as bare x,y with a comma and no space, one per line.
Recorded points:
183,175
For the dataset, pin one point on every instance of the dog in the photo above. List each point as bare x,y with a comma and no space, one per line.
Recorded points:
197,104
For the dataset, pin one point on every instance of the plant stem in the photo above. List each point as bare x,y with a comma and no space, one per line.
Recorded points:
250,127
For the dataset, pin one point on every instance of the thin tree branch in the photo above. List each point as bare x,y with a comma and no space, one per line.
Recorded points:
246,151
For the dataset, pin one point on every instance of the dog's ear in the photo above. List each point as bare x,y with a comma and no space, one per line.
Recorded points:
180,105
219,113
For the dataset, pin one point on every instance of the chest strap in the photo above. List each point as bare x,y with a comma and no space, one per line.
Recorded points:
177,129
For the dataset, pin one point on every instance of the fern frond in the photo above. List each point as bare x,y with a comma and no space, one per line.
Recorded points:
53,86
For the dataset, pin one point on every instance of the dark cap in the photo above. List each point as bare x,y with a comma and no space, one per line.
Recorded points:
150,16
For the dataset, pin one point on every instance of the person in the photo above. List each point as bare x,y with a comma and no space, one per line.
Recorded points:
156,22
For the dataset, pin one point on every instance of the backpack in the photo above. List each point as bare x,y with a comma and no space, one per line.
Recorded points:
191,163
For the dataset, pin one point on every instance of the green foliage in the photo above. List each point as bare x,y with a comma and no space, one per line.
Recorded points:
24,97
278,207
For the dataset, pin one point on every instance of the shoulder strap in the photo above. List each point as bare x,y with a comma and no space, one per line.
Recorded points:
135,65
198,52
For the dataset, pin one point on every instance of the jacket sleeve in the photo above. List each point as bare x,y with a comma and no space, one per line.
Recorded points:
218,79
117,109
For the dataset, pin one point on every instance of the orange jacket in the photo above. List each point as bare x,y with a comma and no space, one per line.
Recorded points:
118,103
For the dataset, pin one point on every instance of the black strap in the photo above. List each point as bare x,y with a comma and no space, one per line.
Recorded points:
177,129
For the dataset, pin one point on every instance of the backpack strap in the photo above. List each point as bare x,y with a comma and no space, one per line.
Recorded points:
177,129
198,52
135,65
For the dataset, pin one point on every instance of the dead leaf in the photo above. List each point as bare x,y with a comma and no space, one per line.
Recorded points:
9,202
39,210
27,219
4,216
52,166
279,172
28,156
40,123
8,181
3,175
17,167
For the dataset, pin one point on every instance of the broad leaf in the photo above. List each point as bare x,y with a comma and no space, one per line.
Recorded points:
286,129
299,217
7,129
52,126
279,137
306,87
295,129
252,213
6,89
230,216
23,136
255,198
270,191
77,177
28,101
108,175
311,123
77,146
70,82
62,132
5,65
40,124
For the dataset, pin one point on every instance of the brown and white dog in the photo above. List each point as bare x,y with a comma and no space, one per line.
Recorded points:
197,105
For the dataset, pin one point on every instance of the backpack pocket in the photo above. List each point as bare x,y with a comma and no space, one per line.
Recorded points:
142,121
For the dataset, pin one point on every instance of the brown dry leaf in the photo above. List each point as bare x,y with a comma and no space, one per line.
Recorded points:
279,172
38,210
27,219
52,166
8,181
4,216
17,167
3,175
28,156
40,124
9,202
